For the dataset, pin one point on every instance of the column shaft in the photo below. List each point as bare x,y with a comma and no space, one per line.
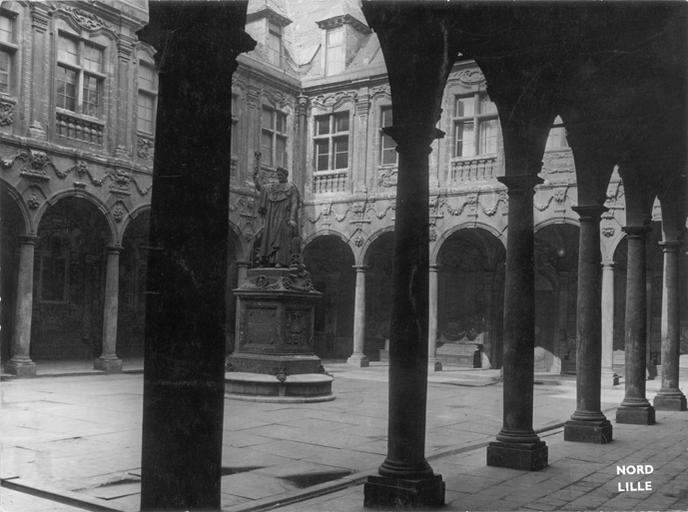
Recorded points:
609,378
21,364
517,444
635,408
358,358
433,362
587,423
670,396
108,360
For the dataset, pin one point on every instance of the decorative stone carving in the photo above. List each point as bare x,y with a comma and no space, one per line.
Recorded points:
35,197
118,211
141,190
380,90
86,20
145,148
80,170
6,112
608,231
35,164
358,240
468,76
387,177
331,99
502,198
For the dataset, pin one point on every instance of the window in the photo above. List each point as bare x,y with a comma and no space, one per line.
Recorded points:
331,141
53,270
273,139
475,126
80,77
146,102
557,136
8,48
334,51
274,44
388,148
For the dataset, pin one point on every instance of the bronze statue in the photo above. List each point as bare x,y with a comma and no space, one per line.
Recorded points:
278,204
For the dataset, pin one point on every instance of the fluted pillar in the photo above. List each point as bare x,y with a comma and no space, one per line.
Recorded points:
635,408
587,423
517,445
108,360
670,397
358,358
608,377
433,362
21,364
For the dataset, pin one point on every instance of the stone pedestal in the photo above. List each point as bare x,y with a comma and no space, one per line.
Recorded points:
404,493
275,317
531,456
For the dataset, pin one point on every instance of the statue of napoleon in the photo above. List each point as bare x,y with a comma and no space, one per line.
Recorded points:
278,204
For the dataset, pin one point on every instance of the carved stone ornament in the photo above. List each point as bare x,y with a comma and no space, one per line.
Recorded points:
387,177
468,76
35,164
118,212
332,99
6,113
145,148
295,280
86,20
359,241
34,200
608,232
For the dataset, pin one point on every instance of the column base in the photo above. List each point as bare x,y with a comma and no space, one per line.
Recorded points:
673,400
359,360
397,493
599,431
21,367
524,456
113,365
636,415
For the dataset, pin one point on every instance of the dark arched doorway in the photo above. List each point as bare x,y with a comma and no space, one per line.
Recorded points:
378,296
330,261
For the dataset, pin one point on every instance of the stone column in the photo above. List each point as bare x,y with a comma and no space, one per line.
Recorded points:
562,331
517,446
358,358
242,271
587,423
21,364
670,397
405,475
108,360
183,381
433,362
635,408
608,376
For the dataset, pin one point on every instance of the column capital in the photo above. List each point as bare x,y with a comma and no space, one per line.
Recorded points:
670,245
608,264
114,248
243,263
434,267
27,239
360,268
589,212
412,134
636,231
520,183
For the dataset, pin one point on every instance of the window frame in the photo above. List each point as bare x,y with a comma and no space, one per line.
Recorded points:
274,31
274,135
478,119
384,138
10,48
81,69
148,93
341,47
331,137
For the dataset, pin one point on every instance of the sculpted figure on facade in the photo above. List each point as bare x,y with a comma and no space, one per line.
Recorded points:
278,205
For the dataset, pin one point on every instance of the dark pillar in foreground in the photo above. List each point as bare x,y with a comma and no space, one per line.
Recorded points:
587,423
185,310
517,445
670,397
635,408
406,478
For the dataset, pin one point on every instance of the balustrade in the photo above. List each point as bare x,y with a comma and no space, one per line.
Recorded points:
72,127
329,181
475,169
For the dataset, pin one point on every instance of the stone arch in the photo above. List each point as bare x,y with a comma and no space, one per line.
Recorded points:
370,241
470,291
330,261
489,228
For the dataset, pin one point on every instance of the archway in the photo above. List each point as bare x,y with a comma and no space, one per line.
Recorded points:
69,277
556,278
330,261
11,227
471,292
378,260
132,286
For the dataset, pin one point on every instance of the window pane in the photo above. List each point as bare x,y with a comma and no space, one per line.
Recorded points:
266,148
389,155
335,37
341,152
386,117
274,47
341,122
486,106
281,122
281,151
91,97
334,60
67,50
321,155
145,107
93,58
146,76
266,119
465,140
5,67
66,88
488,137
6,29
322,125
464,107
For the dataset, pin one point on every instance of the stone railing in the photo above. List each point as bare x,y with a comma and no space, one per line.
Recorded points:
76,128
475,169
325,182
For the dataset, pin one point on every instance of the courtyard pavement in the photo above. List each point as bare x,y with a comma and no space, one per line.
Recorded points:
72,442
